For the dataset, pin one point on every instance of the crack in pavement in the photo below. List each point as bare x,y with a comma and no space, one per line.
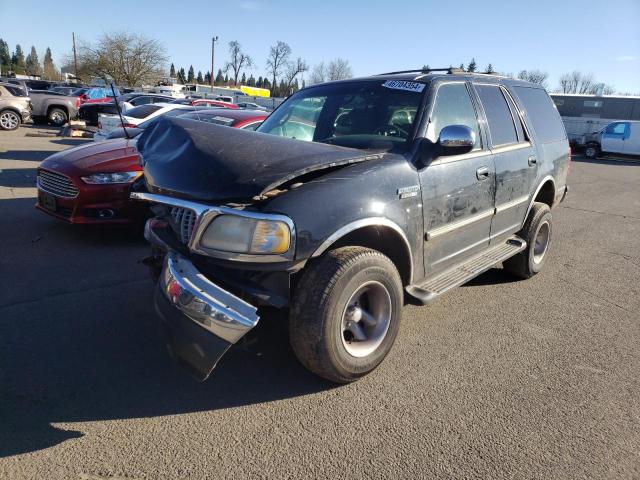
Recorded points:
601,213
594,294
73,292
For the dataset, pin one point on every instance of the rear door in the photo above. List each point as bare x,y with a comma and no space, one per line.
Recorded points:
613,137
457,190
515,159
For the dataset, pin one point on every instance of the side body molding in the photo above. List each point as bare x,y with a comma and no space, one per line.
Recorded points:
366,222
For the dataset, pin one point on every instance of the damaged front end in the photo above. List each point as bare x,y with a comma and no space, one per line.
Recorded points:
201,320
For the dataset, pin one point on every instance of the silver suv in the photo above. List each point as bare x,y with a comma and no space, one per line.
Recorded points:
15,106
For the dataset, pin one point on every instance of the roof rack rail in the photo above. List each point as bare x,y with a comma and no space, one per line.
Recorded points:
449,70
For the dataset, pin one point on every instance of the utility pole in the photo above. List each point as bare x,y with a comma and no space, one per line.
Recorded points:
213,52
75,58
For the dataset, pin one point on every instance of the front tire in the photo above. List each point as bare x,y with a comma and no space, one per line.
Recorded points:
57,117
345,313
536,232
9,120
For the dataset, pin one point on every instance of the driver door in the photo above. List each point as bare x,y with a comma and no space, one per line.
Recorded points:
458,191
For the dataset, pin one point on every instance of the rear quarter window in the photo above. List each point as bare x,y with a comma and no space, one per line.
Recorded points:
542,113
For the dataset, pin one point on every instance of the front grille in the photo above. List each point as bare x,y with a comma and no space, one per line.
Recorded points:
56,184
182,222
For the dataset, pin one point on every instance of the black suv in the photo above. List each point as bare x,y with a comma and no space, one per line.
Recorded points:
350,195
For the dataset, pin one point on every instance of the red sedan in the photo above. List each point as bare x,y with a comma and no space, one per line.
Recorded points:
91,183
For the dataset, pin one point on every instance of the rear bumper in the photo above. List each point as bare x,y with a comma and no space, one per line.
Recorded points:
200,319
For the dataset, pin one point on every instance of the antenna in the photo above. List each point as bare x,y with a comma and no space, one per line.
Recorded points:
115,99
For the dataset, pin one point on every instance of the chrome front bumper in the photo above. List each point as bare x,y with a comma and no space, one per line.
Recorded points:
201,320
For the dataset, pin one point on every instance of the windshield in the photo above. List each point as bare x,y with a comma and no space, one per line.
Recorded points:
377,115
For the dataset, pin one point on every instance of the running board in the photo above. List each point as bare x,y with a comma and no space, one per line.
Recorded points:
459,274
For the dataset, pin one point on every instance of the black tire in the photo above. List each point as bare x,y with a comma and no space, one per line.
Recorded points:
57,117
9,120
320,303
531,260
592,151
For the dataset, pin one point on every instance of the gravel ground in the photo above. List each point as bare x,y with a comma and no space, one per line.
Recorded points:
497,379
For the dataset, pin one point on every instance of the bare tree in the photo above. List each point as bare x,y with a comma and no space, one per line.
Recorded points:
583,83
238,60
126,58
278,59
339,69
535,76
318,74
293,70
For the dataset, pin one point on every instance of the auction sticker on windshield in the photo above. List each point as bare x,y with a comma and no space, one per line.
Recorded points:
416,87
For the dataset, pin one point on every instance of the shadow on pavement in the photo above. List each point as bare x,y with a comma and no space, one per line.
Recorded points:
18,177
31,155
80,341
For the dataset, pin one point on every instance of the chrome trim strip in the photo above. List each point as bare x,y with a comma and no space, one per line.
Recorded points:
450,227
214,309
366,222
512,147
207,213
513,203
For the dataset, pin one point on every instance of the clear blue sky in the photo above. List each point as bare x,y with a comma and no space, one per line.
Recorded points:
375,36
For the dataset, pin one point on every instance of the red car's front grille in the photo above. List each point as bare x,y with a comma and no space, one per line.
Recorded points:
56,184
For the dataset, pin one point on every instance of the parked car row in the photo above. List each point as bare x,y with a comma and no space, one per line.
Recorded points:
348,198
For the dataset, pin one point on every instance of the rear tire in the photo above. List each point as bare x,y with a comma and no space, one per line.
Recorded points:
536,232
57,117
345,313
9,120
592,151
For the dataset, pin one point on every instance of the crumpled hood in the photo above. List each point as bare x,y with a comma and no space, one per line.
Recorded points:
108,156
202,161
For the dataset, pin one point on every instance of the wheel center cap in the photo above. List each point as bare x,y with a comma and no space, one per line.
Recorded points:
354,314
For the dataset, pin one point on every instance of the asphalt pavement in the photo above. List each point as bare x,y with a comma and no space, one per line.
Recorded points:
500,378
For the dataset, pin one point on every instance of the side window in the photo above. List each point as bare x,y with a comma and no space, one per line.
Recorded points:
141,101
453,107
501,124
541,113
617,129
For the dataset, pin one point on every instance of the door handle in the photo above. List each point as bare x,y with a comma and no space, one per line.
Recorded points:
482,173
532,161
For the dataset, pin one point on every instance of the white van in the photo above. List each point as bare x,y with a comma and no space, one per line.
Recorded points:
617,137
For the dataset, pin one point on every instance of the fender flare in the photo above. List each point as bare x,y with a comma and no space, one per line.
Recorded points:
533,198
366,222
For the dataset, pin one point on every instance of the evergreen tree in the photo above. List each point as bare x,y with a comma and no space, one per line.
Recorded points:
226,80
304,84
251,81
5,56
32,63
243,80
49,71
18,60
490,69
181,76
199,78
282,89
207,78
472,65
266,83
191,76
461,66
172,71
219,80
296,85
260,82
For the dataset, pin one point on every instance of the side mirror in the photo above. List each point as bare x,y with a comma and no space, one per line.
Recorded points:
456,140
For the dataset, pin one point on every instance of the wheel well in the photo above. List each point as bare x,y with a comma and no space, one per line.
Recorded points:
384,239
546,194
13,110
60,107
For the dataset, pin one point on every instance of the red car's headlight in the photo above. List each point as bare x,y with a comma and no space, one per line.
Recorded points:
110,178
